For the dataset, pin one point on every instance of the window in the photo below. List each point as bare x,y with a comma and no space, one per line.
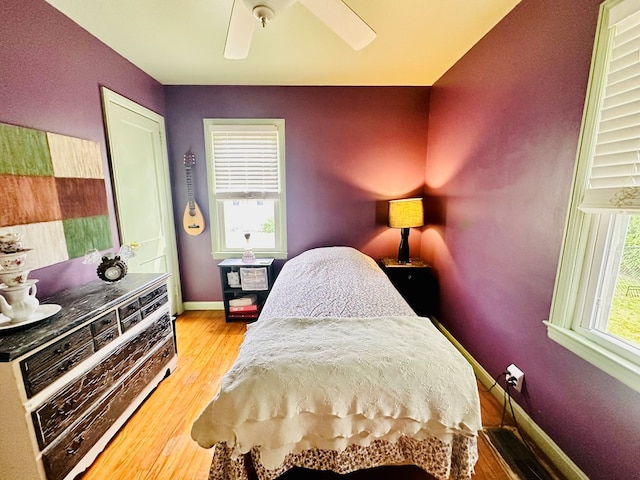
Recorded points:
245,164
595,311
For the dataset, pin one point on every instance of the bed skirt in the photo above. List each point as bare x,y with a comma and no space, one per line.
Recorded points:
441,460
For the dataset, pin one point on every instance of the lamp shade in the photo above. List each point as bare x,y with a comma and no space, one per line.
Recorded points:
406,213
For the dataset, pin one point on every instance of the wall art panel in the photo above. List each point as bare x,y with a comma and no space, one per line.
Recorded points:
53,193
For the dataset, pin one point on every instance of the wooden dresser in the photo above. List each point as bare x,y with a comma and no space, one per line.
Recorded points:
68,383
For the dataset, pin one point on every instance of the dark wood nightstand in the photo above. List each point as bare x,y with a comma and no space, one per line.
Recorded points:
248,280
415,281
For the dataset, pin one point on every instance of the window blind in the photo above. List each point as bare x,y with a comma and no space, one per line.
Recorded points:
245,161
614,177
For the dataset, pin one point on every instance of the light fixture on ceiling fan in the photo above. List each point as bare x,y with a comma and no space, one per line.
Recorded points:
334,13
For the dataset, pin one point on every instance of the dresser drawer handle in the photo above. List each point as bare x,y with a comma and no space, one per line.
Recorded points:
107,321
64,409
59,350
65,366
76,447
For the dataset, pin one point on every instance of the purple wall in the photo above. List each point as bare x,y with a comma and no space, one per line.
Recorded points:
503,132
348,150
51,71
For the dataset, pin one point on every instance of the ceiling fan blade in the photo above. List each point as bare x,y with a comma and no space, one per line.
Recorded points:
343,21
241,27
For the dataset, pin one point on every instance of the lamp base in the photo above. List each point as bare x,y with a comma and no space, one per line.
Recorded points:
403,250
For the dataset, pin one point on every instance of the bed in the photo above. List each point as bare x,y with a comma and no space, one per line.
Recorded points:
339,374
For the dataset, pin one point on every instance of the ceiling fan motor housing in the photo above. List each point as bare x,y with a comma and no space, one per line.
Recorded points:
265,10
263,14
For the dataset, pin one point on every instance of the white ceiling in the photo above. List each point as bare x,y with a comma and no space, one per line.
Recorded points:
181,42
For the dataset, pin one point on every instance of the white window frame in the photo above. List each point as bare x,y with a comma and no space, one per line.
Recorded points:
216,211
582,258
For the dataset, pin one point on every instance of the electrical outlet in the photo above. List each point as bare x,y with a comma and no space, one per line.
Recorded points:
514,377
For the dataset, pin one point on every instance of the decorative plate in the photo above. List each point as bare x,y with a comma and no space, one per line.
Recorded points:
42,313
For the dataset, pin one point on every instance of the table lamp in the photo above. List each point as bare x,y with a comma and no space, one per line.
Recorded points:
405,214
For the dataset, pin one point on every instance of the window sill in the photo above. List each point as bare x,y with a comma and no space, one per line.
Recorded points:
615,365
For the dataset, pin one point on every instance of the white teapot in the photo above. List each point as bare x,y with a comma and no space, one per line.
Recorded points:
21,302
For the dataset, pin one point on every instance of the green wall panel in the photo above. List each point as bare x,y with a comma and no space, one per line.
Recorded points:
24,151
83,234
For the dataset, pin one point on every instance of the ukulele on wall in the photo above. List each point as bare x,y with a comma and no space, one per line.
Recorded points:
192,220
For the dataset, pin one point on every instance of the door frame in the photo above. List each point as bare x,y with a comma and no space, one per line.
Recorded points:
109,98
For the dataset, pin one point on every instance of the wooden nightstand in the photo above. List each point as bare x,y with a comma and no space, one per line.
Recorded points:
415,281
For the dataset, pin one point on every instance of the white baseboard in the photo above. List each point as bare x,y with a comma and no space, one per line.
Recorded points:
203,306
562,462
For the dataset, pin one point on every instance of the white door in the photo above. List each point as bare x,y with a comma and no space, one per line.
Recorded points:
142,189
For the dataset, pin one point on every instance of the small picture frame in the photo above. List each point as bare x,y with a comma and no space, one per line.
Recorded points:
233,279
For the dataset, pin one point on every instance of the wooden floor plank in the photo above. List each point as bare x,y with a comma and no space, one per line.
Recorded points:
155,444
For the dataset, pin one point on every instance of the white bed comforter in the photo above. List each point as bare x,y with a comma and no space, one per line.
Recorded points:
333,282
301,383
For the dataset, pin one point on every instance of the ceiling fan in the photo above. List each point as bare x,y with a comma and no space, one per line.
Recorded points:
337,15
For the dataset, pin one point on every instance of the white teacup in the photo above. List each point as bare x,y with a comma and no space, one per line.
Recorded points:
14,278
10,242
13,261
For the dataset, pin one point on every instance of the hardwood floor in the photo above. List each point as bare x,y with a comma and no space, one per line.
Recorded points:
155,443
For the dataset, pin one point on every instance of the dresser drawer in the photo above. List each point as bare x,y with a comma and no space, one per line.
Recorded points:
103,323
65,454
105,337
128,309
43,368
131,321
153,294
60,458
46,378
153,306
68,405
44,359
154,333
